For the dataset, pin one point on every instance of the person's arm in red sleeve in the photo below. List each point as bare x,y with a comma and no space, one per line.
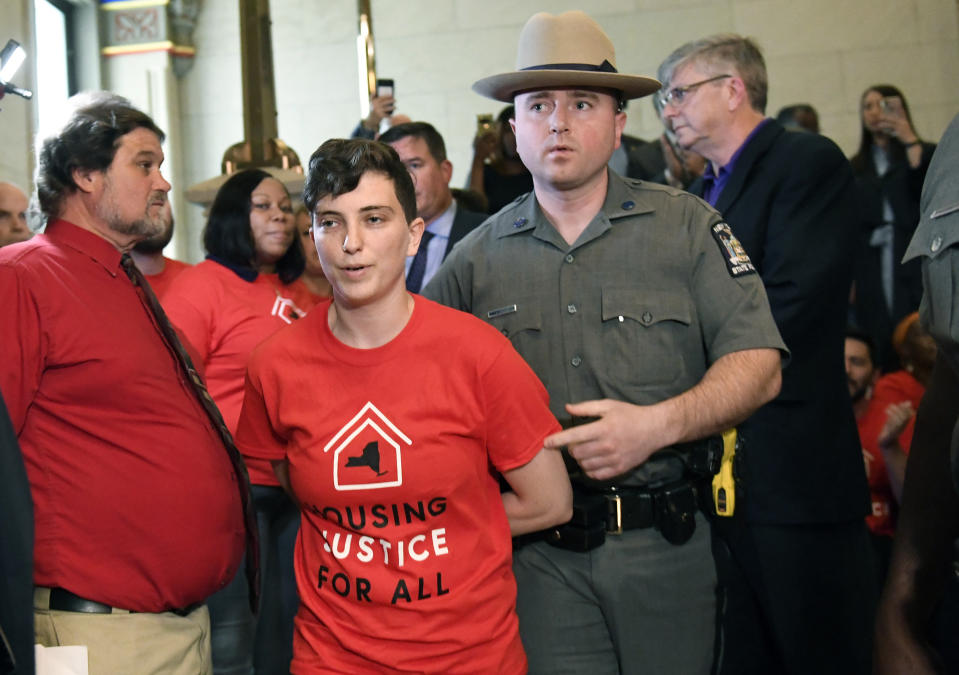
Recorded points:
894,453
22,345
518,419
255,433
192,313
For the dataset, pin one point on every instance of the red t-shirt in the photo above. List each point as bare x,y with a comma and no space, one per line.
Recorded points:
403,561
135,499
161,282
224,317
892,388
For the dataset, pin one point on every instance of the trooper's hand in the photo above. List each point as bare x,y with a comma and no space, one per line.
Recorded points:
623,436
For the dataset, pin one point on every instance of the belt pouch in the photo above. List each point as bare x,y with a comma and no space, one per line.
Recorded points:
676,512
586,530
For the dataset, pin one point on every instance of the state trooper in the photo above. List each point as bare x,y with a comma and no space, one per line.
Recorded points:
637,308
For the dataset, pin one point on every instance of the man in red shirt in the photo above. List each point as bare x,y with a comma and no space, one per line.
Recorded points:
138,506
147,253
886,420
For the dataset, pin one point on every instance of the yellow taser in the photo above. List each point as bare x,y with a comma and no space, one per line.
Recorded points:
724,483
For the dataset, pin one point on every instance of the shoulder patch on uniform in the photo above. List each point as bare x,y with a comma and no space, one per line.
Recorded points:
737,262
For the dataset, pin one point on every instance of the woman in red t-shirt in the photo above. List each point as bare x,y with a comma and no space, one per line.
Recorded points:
389,416
247,289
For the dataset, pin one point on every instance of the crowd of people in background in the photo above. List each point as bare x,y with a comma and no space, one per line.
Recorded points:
646,312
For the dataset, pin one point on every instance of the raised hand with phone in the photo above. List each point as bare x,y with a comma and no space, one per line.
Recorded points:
382,106
893,120
885,115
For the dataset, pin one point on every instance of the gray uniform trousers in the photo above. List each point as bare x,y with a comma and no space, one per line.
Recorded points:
637,604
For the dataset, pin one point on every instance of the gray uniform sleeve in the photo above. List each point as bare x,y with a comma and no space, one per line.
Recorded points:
729,294
937,241
453,282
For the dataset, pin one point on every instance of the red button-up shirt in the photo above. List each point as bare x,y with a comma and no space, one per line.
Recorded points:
136,502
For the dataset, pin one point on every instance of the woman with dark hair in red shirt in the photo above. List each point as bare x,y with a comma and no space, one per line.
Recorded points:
246,290
389,417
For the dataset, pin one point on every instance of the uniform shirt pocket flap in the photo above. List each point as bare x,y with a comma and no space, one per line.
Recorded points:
514,319
647,308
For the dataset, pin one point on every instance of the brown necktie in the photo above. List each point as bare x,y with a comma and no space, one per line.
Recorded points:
216,419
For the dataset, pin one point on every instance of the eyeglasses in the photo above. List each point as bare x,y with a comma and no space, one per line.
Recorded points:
677,95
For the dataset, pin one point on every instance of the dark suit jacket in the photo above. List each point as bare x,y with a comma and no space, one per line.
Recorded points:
16,554
644,158
790,202
463,223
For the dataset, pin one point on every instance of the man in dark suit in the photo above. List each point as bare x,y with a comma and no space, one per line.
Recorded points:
794,559
422,150
16,555
637,158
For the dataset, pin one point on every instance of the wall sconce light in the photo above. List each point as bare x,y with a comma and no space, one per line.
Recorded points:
11,58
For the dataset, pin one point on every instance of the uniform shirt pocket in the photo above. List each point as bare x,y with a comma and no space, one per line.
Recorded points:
522,323
645,335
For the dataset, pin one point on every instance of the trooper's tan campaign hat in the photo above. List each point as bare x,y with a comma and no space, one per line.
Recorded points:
566,50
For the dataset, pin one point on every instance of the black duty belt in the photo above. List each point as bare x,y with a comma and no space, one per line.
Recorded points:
671,509
628,509
63,600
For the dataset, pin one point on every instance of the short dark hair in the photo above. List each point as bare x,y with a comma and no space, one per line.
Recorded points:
856,333
790,117
88,139
423,130
228,236
338,165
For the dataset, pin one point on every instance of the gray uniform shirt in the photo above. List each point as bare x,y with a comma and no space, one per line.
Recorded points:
654,291
937,240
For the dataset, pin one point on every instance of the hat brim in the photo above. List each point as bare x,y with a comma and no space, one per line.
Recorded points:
504,87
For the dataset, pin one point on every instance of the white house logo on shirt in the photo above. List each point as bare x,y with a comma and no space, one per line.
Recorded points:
367,452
